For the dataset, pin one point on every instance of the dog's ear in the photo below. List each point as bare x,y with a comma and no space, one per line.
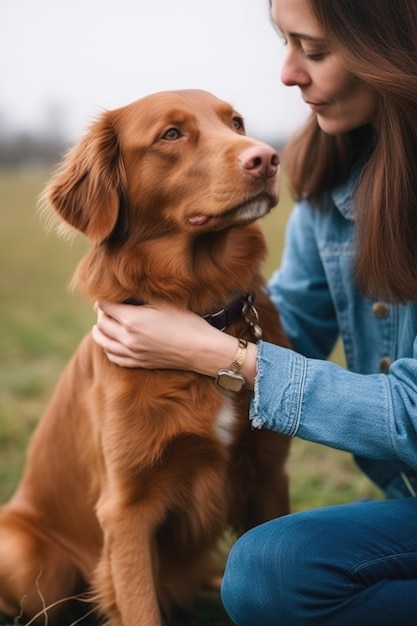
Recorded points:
87,188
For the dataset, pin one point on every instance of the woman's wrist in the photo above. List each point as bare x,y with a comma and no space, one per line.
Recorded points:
248,369
219,353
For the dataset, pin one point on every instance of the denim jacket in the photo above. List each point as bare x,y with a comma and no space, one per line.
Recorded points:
370,408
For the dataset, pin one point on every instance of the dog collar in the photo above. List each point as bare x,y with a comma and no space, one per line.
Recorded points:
244,307
228,315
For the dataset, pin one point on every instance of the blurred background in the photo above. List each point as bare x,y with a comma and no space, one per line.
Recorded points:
64,61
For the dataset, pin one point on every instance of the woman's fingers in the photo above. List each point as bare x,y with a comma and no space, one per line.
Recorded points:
108,344
138,336
124,314
164,337
111,309
116,352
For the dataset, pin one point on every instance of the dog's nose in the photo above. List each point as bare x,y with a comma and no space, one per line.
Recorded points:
260,161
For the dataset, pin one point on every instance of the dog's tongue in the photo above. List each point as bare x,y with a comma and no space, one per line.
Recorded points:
198,219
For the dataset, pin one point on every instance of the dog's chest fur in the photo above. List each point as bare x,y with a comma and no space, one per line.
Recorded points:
225,422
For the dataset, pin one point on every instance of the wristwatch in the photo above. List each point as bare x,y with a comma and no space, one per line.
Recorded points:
230,379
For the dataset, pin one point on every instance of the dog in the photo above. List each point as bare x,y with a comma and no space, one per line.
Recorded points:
132,475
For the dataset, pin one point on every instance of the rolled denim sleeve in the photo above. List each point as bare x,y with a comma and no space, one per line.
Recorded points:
279,389
373,416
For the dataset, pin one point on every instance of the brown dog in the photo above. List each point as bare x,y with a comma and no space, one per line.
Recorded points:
133,475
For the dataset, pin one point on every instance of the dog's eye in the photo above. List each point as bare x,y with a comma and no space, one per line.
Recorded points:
238,124
171,134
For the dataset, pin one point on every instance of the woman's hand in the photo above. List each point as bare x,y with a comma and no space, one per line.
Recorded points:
143,336
165,338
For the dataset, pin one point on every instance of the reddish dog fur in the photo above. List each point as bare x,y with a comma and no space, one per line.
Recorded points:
133,475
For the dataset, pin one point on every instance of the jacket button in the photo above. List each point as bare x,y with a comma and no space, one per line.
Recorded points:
384,364
380,310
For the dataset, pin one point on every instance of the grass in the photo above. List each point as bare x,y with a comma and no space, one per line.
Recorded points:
41,323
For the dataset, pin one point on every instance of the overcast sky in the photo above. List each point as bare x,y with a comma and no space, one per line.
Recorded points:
63,61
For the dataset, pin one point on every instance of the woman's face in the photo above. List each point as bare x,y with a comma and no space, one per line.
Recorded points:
340,100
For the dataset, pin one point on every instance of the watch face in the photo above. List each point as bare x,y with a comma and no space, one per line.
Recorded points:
226,379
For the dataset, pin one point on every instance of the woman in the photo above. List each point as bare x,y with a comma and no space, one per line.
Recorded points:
349,268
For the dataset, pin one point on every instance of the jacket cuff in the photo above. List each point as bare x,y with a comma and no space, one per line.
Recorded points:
278,391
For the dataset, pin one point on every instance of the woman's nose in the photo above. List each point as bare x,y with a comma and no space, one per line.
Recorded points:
293,71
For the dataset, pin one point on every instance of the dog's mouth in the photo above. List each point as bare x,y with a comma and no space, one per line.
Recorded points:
244,213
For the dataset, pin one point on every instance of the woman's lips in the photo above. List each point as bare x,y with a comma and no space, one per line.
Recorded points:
317,107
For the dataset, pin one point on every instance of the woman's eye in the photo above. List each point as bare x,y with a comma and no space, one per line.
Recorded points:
238,124
314,56
171,134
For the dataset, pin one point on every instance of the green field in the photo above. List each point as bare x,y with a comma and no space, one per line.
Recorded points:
41,323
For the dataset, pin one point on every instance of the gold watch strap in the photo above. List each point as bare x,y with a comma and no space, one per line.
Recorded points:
231,380
240,356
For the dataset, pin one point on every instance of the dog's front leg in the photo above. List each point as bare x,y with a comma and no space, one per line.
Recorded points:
125,579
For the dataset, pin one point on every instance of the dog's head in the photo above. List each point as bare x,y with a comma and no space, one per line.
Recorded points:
171,161
159,187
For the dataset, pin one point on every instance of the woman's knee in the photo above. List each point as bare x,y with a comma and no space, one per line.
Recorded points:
276,572
259,572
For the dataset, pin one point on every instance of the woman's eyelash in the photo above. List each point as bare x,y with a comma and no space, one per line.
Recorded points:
311,56
316,56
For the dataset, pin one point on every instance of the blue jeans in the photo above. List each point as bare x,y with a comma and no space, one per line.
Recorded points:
349,565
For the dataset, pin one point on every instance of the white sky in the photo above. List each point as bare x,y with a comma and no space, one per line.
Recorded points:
63,61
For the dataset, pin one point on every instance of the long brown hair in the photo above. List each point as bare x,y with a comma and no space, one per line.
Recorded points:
378,40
